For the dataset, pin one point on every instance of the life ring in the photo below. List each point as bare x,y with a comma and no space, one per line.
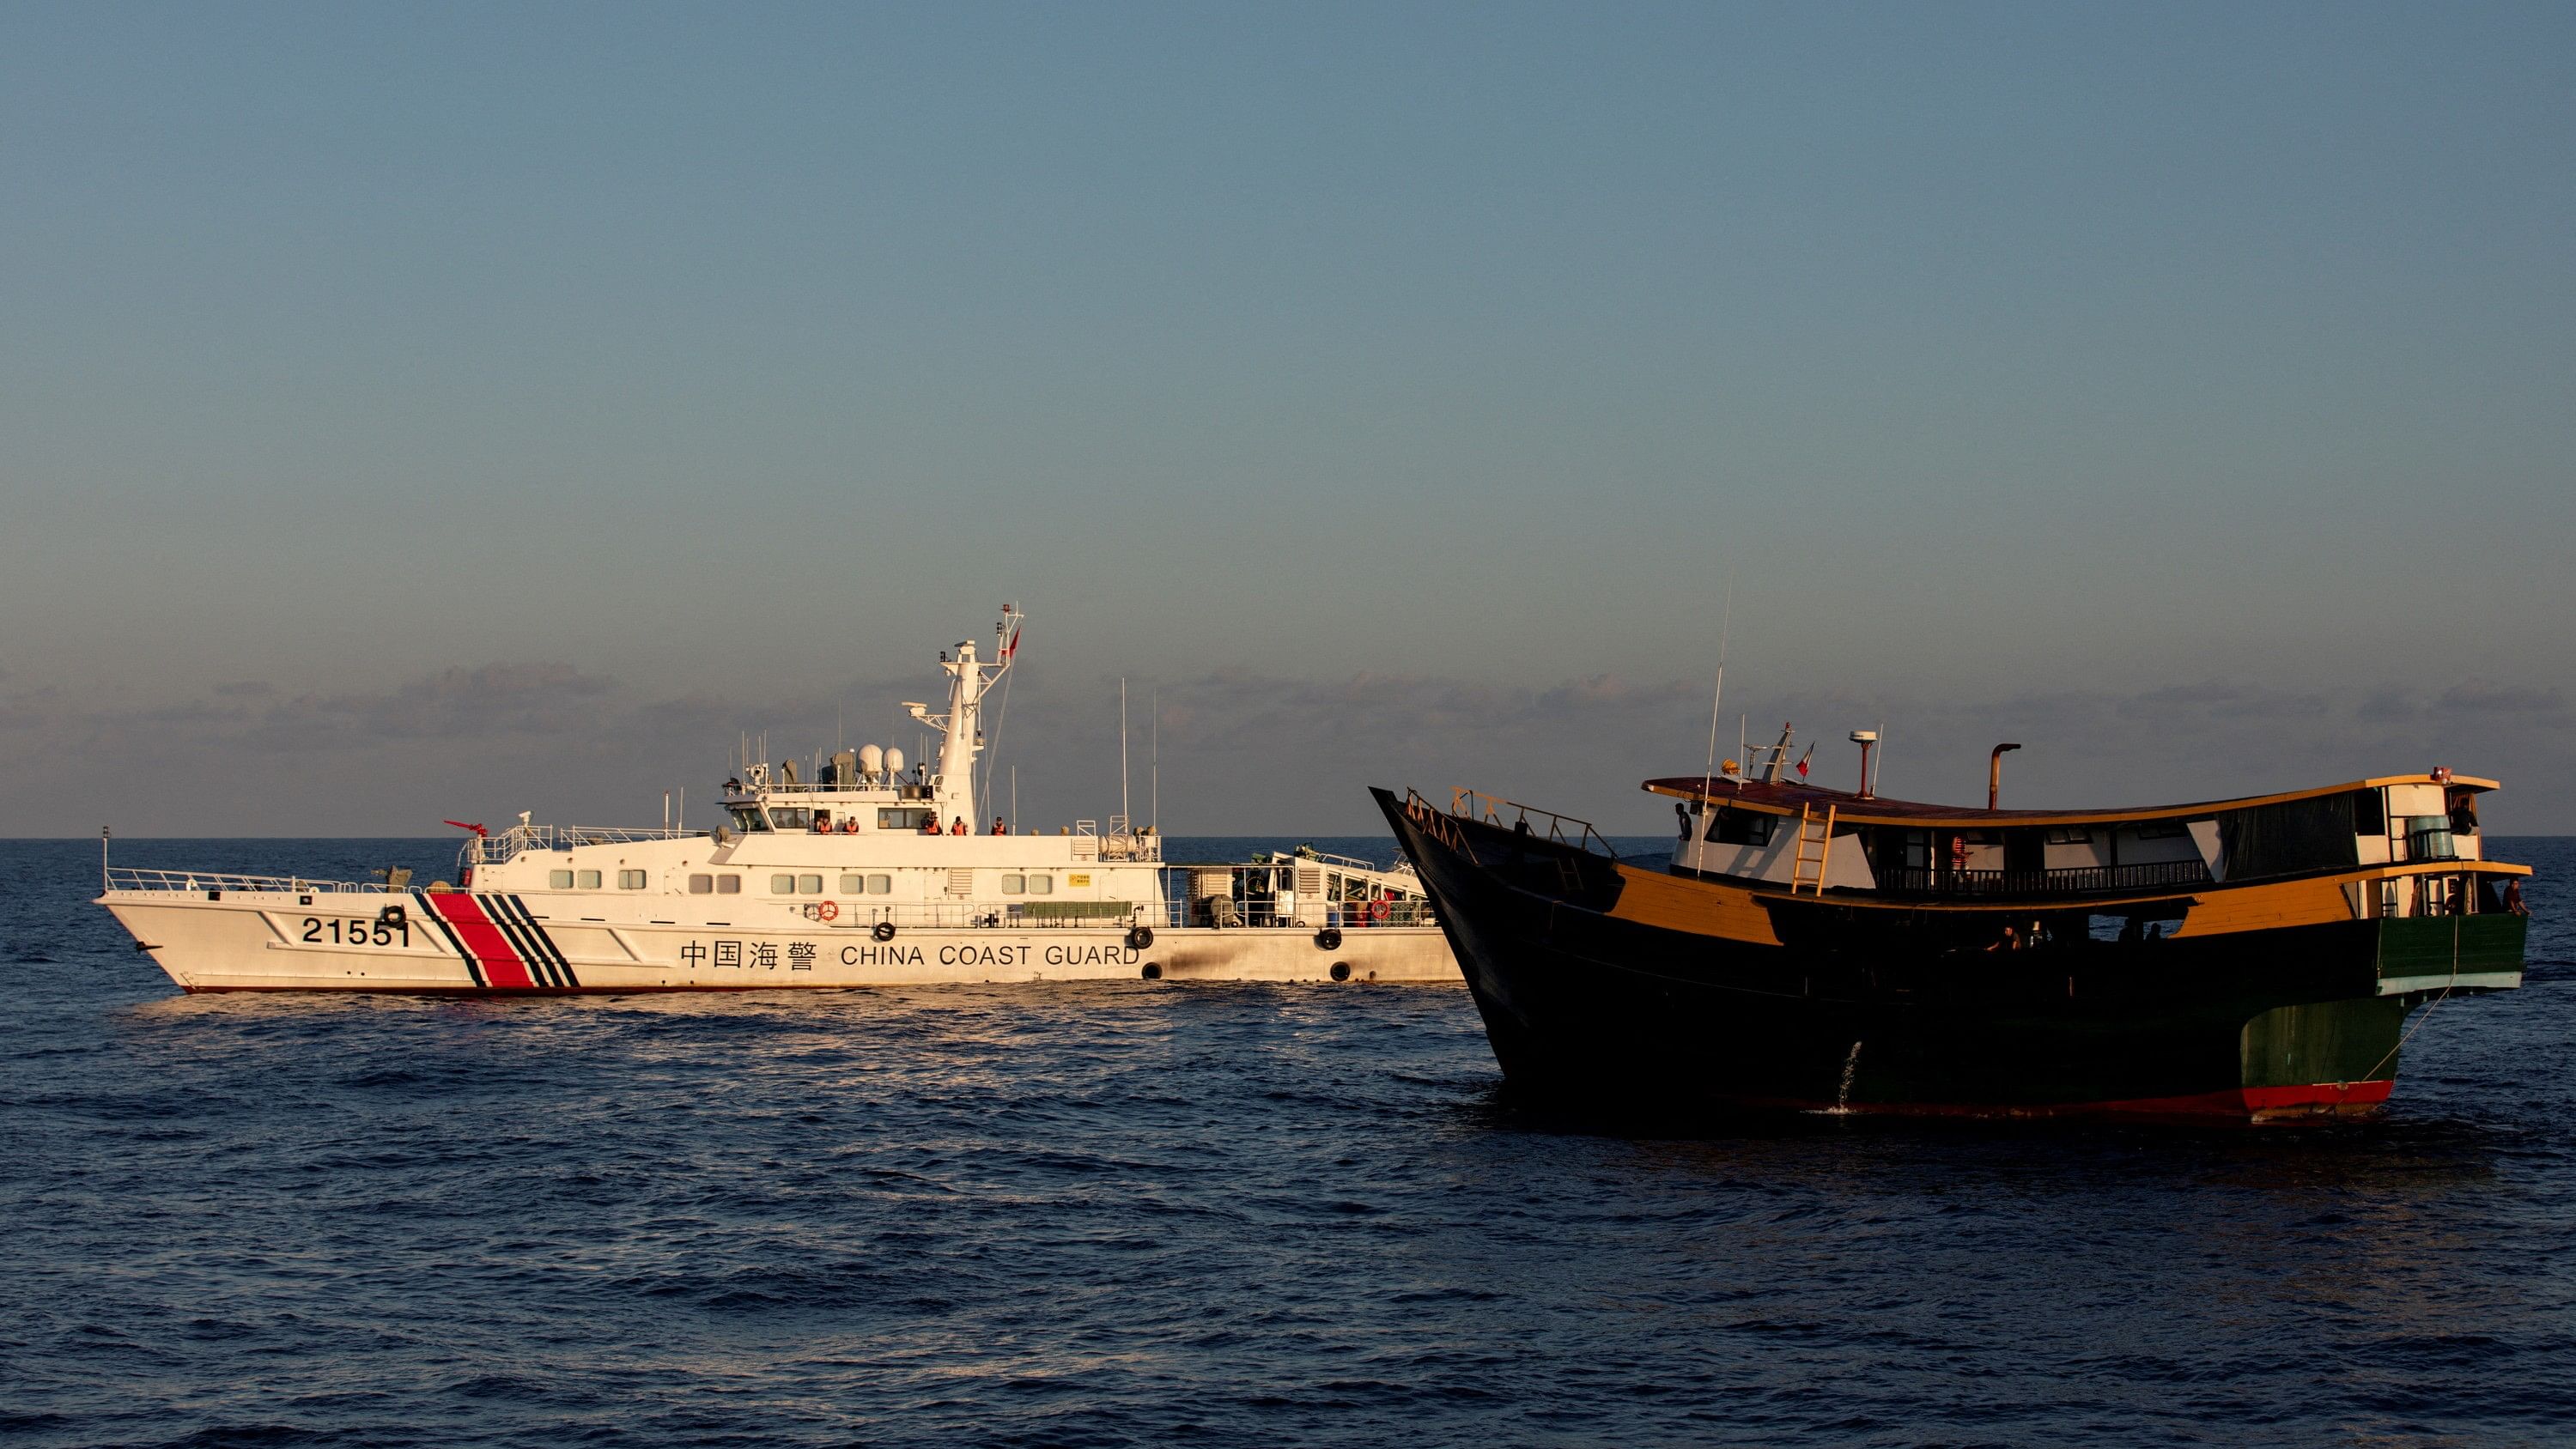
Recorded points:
1328,939
827,911
1379,910
808,909
882,930
1139,937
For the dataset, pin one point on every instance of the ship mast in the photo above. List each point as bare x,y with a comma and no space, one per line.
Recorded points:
962,727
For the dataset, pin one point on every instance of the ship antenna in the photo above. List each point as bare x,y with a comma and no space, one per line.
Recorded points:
1014,619
1725,623
1154,754
1122,748
102,858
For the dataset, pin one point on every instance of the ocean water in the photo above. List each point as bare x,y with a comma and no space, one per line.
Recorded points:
1145,1213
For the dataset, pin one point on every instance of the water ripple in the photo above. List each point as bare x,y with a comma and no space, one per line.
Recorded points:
1146,1214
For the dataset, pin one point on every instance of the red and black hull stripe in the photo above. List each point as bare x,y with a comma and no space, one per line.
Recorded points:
501,942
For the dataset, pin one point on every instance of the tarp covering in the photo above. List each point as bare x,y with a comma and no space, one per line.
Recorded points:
2288,838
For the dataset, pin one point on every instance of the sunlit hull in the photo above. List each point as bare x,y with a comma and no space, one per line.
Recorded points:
1642,991
501,944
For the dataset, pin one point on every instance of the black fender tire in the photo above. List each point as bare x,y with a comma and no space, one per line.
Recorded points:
1153,971
1341,971
1140,938
882,930
1329,939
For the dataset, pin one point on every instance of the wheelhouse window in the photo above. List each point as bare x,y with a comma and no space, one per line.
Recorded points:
748,819
2070,835
788,818
902,817
1731,826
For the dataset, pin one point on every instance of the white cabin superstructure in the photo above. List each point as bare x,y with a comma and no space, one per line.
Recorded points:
867,875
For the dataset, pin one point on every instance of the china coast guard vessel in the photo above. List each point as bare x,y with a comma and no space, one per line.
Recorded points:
1818,949
867,875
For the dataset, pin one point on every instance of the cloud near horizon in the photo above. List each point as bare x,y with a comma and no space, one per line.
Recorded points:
1227,751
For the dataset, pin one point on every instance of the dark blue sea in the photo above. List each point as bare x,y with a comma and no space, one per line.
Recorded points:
1149,1214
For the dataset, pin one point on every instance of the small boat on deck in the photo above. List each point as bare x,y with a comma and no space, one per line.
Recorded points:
1816,949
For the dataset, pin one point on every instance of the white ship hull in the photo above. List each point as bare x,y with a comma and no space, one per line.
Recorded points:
864,876
489,943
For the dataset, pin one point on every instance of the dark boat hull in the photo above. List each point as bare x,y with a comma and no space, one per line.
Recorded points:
1584,1007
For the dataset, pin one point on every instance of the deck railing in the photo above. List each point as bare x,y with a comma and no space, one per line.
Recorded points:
1512,815
1227,913
128,878
2079,881
507,844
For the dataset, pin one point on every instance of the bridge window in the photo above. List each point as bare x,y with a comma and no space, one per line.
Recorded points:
1731,826
587,880
560,880
702,885
630,880
2070,835
748,819
902,817
791,819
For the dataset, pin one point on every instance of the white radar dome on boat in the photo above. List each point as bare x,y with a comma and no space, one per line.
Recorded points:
894,762
871,760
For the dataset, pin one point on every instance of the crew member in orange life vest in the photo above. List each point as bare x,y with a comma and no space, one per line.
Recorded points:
958,826
930,825
999,828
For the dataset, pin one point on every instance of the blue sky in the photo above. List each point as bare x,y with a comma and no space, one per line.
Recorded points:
414,410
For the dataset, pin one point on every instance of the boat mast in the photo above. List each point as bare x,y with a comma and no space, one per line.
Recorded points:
961,729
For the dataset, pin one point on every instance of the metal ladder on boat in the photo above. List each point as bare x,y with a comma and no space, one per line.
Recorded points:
1822,840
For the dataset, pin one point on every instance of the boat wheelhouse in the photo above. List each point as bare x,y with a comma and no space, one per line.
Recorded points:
1823,949
867,873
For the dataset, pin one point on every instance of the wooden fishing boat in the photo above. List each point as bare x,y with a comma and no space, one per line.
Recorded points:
1818,949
